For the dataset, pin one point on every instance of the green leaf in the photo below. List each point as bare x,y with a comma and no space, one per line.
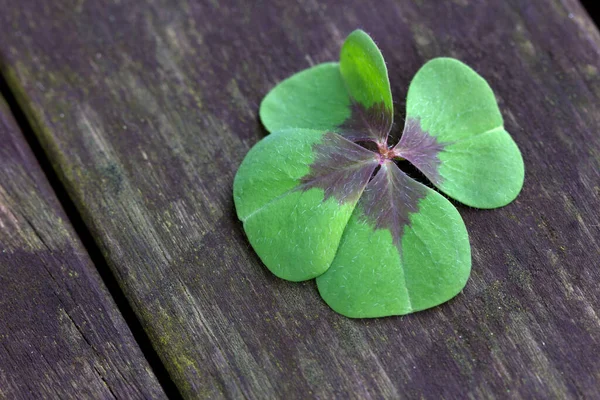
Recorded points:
365,74
405,249
295,192
315,98
352,98
314,204
455,135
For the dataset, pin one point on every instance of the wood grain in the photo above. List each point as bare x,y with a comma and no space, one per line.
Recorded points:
61,335
146,109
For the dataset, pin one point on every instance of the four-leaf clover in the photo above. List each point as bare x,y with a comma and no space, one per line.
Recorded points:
322,196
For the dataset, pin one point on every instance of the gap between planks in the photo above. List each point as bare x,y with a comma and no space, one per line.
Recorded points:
90,245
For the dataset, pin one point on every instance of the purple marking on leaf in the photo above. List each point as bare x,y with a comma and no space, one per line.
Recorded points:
389,199
371,123
341,168
421,149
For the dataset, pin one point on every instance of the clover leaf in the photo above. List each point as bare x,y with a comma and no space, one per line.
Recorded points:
318,201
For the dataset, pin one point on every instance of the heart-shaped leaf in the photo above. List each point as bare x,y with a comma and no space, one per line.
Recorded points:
316,204
455,135
295,192
404,249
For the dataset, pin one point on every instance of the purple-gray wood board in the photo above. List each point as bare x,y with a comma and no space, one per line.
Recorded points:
61,335
146,109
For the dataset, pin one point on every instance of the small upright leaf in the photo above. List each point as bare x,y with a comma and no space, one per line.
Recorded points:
455,135
366,78
351,98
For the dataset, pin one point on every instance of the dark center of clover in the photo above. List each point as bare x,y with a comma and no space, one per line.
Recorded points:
386,152
392,153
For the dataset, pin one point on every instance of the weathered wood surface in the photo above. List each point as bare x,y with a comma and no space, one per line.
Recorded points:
61,335
147,108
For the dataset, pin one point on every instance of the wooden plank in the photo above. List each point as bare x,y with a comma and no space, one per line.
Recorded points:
61,335
147,108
